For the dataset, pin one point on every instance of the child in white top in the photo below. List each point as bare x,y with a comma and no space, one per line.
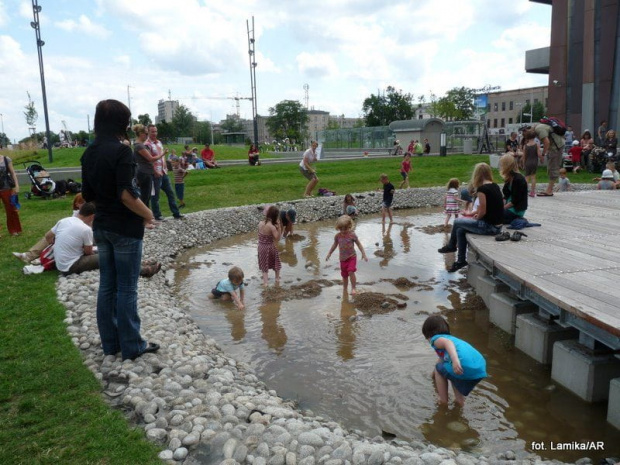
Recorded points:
451,204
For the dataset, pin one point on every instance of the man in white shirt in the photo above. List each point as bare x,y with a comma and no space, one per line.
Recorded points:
73,242
305,167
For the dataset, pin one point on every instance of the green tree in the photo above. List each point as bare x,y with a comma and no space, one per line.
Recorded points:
232,124
144,119
463,100
392,105
433,108
165,132
539,112
183,121
332,124
289,118
446,109
202,132
4,140
31,113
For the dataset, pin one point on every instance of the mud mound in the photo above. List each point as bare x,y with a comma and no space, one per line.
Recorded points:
438,229
295,237
374,303
404,283
305,290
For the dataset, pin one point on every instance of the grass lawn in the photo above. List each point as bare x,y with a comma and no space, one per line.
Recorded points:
51,408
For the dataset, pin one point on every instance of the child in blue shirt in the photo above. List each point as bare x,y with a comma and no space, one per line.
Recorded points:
459,362
227,289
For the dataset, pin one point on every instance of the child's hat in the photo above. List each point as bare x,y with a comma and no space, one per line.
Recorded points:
575,142
607,174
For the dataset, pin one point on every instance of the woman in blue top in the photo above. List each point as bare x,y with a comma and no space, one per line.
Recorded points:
459,361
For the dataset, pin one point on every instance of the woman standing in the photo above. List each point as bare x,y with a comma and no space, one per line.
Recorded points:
9,186
487,220
144,158
514,190
108,178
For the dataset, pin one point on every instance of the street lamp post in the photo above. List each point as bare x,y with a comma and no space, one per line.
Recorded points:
3,134
36,9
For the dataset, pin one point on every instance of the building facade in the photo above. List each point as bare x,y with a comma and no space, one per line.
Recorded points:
166,110
582,61
505,107
317,120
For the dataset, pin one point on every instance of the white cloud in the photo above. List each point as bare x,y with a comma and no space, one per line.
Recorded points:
316,65
4,17
83,26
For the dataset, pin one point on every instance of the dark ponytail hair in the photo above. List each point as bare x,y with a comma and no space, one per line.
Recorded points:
112,118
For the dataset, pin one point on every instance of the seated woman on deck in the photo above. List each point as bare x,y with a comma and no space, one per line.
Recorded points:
487,220
514,190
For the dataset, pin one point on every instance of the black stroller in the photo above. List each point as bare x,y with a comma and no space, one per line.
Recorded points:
42,184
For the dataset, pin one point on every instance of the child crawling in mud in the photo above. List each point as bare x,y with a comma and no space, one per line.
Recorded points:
227,289
459,362
346,240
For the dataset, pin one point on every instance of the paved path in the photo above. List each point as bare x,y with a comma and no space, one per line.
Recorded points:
571,262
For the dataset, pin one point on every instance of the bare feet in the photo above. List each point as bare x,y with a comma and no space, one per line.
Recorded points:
353,291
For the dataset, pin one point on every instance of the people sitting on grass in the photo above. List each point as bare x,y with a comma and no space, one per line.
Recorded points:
208,157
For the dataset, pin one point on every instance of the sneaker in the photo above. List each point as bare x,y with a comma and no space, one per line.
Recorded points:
503,236
180,217
446,249
160,218
33,269
21,256
457,266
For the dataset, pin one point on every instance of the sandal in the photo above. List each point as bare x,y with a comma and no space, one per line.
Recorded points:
517,235
503,236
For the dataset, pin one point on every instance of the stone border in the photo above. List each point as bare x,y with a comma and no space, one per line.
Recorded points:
202,406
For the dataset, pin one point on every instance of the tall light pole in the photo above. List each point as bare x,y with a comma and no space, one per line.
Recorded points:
129,98
36,9
252,54
3,134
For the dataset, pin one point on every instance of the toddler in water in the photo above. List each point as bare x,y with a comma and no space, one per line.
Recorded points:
388,197
346,240
459,362
227,289
451,204
269,232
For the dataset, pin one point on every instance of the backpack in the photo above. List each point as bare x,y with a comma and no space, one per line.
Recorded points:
556,124
48,262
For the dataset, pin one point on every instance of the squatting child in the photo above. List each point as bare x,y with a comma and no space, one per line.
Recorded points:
346,240
459,362
388,197
227,288
348,206
451,202
564,184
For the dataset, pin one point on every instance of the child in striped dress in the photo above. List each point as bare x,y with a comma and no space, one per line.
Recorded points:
451,204
269,232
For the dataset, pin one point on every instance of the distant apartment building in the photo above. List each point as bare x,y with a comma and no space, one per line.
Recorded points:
317,120
166,110
505,107
263,131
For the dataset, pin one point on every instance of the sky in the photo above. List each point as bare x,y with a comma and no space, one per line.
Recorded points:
196,51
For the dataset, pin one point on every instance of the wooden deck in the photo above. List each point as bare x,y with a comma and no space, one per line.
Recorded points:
570,265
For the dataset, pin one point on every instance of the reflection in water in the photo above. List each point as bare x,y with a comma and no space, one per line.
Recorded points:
345,329
388,246
236,318
450,428
310,348
310,252
273,332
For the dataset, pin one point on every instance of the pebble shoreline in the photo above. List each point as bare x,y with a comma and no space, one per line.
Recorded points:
199,404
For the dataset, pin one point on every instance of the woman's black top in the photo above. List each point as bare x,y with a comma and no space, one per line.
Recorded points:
495,204
108,169
516,191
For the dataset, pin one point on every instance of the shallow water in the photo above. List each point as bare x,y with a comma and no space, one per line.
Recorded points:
372,372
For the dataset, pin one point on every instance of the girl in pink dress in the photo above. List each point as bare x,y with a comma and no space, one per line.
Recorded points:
346,240
451,204
269,232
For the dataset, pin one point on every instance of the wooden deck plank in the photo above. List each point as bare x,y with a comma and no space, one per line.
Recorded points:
572,259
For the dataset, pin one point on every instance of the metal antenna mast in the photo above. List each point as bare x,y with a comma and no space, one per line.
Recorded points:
252,55
306,96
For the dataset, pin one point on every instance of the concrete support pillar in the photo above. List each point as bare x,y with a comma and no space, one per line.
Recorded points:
536,337
613,407
487,286
582,373
504,309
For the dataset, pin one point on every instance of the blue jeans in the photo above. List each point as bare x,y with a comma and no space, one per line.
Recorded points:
163,183
462,226
117,300
179,188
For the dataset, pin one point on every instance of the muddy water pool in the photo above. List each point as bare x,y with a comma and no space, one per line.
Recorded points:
363,360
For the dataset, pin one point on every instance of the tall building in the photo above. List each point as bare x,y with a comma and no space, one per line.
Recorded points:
263,131
166,110
582,61
317,120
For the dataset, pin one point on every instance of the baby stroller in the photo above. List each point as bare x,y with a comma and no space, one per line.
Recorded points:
42,183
